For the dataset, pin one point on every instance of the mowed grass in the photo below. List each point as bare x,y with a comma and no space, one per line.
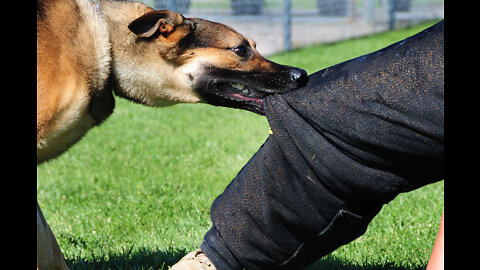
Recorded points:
135,192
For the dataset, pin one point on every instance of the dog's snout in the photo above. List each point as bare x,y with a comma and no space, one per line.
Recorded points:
299,76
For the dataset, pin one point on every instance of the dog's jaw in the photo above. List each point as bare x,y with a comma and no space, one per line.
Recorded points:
158,84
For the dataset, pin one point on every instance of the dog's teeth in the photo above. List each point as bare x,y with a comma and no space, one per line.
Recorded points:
239,86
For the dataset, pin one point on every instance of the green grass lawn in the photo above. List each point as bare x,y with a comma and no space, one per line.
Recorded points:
135,193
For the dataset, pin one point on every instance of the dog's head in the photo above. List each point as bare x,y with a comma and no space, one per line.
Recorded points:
221,66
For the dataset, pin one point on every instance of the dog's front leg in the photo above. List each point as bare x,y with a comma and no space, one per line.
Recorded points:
49,255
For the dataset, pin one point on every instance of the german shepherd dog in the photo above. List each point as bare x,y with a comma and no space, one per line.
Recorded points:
87,50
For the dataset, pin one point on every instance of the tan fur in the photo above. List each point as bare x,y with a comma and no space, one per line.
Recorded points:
67,72
74,58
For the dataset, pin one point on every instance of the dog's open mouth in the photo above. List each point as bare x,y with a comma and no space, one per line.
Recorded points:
238,92
236,95
247,90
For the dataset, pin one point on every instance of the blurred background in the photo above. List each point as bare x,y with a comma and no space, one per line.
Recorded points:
282,25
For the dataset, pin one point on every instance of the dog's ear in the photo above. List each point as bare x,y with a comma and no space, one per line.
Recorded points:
148,24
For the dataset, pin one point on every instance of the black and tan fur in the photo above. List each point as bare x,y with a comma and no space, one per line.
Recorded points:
88,51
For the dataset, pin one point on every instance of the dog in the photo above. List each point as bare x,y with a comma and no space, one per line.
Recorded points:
88,51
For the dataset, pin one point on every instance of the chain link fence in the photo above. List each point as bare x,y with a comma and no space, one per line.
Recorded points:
278,25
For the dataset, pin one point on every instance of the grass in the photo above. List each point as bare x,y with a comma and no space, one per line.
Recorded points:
135,193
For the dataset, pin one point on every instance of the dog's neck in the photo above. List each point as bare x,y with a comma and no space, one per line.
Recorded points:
139,73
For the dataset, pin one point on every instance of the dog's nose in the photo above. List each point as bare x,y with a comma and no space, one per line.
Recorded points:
299,76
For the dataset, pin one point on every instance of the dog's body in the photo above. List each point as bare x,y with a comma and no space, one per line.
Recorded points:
87,51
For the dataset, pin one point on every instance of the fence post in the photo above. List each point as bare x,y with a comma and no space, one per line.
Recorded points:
369,10
391,12
287,25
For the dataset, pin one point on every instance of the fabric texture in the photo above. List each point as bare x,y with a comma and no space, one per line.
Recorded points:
360,133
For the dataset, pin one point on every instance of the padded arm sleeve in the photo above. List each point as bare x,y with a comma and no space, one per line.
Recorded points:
356,136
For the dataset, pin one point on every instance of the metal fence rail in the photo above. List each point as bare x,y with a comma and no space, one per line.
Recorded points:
278,25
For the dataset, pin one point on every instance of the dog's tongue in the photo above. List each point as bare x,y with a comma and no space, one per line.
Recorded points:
243,98
258,100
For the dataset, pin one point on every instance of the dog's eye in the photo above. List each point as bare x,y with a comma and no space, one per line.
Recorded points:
240,50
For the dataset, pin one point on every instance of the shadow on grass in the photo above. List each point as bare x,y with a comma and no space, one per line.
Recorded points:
139,258
333,263
143,259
